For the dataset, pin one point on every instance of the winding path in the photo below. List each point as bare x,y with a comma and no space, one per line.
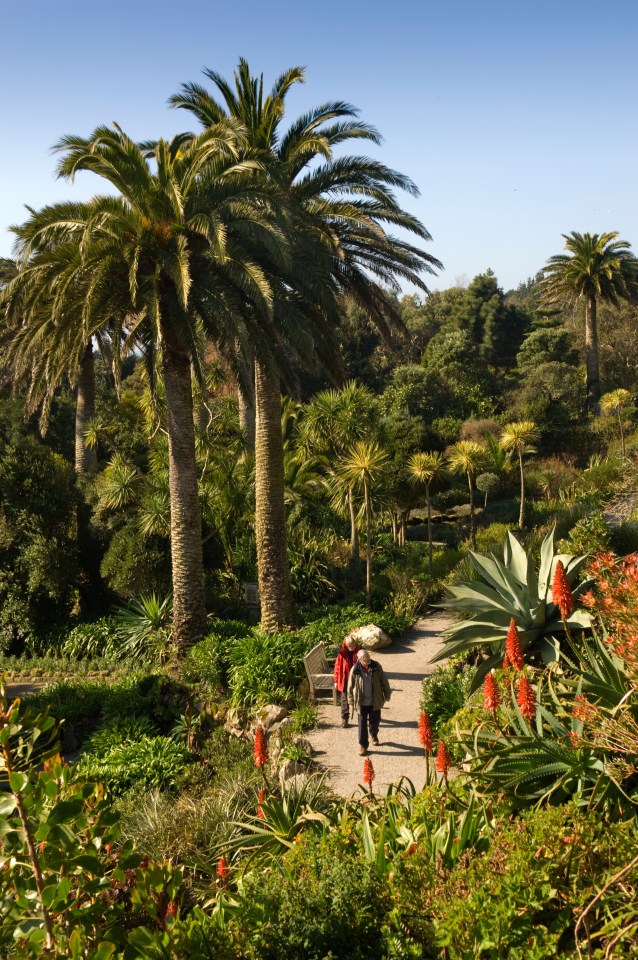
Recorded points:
399,753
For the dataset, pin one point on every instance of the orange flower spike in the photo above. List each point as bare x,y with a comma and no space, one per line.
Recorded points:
491,696
223,870
562,592
513,649
368,771
443,762
260,748
425,732
526,699
261,796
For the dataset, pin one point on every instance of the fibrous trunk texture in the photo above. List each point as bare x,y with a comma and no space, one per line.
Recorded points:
85,457
354,530
277,609
591,356
189,611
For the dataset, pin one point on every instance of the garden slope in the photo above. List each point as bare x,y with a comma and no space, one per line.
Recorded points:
399,753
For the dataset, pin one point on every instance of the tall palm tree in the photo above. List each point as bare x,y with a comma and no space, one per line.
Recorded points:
45,368
333,421
423,470
361,469
171,254
467,457
338,211
598,268
520,437
617,402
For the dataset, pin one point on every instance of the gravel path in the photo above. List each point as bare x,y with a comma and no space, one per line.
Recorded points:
399,753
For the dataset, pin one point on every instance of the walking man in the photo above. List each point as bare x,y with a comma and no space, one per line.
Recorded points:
368,690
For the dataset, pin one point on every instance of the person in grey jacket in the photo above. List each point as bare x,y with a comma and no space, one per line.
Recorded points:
368,690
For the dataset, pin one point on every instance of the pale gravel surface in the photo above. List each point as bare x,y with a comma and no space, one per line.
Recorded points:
399,753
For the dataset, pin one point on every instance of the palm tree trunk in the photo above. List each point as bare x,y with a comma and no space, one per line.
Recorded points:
591,355
395,535
472,518
85,457
368,548
403,529
277,608
429,509
189,611
247,419
354,530
522,511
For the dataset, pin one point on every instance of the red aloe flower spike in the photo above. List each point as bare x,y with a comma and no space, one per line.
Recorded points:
260,748
513,649
580,709
506,662
425,732
526,699
223,870
261,796
443,762
562,592
491,695
368,772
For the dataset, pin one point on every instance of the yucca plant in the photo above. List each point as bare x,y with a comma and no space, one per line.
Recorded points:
511,589
143,628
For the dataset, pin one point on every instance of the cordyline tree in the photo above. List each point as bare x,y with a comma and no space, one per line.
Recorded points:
520,437
174,254
597,268
333,421
339,210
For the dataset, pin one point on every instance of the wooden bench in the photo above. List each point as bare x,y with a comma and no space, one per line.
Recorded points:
319,673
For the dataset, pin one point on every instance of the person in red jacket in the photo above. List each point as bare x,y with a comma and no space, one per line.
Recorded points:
346,659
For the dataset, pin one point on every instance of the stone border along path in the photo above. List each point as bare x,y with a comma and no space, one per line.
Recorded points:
399,753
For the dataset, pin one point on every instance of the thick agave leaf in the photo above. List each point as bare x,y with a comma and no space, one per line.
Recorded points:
505,584
545,570
520,564
479,595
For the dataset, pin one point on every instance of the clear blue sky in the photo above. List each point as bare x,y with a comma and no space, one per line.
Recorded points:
517,120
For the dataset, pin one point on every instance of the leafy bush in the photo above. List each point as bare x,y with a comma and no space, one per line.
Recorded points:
208,661
141,762
324,904
266,667
522,899
490,539
624,538
87,641
85,705
589,535
445,692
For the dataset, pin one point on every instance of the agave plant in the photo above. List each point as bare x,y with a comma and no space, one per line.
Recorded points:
511,589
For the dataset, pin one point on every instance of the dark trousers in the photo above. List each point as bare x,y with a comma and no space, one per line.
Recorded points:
368,716
345,706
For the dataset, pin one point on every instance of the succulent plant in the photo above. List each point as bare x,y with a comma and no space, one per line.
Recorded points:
511,589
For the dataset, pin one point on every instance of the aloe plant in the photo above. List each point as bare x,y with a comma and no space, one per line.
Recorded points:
511,589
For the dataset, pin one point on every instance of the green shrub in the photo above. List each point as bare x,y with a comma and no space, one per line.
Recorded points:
624,538
266,667
326,904
589,535
85,705
208,661
140,763
87,641
445,692
490,539
521,899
